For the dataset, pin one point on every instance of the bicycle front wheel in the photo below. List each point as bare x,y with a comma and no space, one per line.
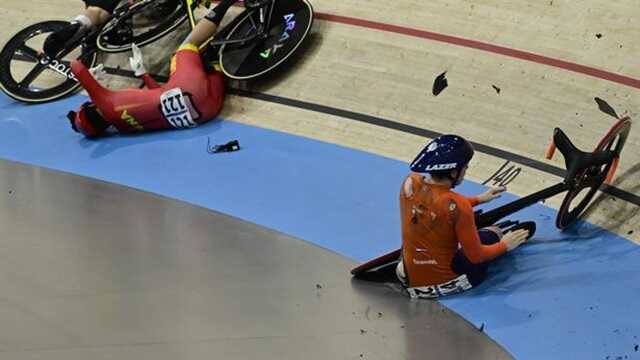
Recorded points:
588,182
291,22
27,75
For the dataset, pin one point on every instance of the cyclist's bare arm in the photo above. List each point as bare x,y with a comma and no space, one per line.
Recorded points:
208,26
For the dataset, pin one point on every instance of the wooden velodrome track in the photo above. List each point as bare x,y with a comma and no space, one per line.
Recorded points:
356,63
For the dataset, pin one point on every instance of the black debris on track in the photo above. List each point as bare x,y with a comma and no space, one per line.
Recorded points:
439,84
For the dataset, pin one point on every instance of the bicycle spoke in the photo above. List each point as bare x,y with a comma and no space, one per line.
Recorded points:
32,75
29,52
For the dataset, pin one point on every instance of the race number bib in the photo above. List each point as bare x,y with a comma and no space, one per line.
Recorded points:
177,109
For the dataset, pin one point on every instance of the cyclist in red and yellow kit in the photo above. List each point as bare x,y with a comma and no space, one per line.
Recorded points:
190,97
442,250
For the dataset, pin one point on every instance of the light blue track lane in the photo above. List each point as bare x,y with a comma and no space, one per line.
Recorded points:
564,295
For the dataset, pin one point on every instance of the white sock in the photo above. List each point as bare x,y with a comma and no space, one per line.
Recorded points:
84,21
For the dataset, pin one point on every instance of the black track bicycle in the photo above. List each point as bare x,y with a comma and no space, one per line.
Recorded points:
260,39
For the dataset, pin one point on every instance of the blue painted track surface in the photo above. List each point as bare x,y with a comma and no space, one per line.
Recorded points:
565,295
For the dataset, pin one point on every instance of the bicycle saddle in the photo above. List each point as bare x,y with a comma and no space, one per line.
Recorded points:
574,158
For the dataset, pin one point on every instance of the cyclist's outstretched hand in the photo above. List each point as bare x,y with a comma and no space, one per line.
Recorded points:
136,62
98,71
513,239
493,193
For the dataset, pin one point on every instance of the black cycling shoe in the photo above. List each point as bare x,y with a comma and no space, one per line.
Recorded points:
56,42
505,224
516,225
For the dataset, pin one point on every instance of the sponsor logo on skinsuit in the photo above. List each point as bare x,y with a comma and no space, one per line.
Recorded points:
131,121
425,262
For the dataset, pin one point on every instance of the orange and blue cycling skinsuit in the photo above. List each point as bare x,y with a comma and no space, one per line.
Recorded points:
435,223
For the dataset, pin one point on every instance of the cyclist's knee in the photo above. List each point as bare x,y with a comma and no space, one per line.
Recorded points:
101,6
97,15
461,265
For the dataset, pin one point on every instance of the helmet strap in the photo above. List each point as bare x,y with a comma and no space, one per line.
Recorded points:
454,179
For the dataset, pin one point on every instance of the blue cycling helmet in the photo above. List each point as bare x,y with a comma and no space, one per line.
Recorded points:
442,155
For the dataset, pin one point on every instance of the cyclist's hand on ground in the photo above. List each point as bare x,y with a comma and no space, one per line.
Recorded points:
513,239
98,71
493,193
136,62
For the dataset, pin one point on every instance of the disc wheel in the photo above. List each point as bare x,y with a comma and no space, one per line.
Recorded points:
291,22
588,181
135,24
27,75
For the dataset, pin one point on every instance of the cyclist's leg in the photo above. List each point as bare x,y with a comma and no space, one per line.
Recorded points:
207,27
476,273
96,91
96,12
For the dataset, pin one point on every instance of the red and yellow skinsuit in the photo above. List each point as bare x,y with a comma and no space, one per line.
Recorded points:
191,96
